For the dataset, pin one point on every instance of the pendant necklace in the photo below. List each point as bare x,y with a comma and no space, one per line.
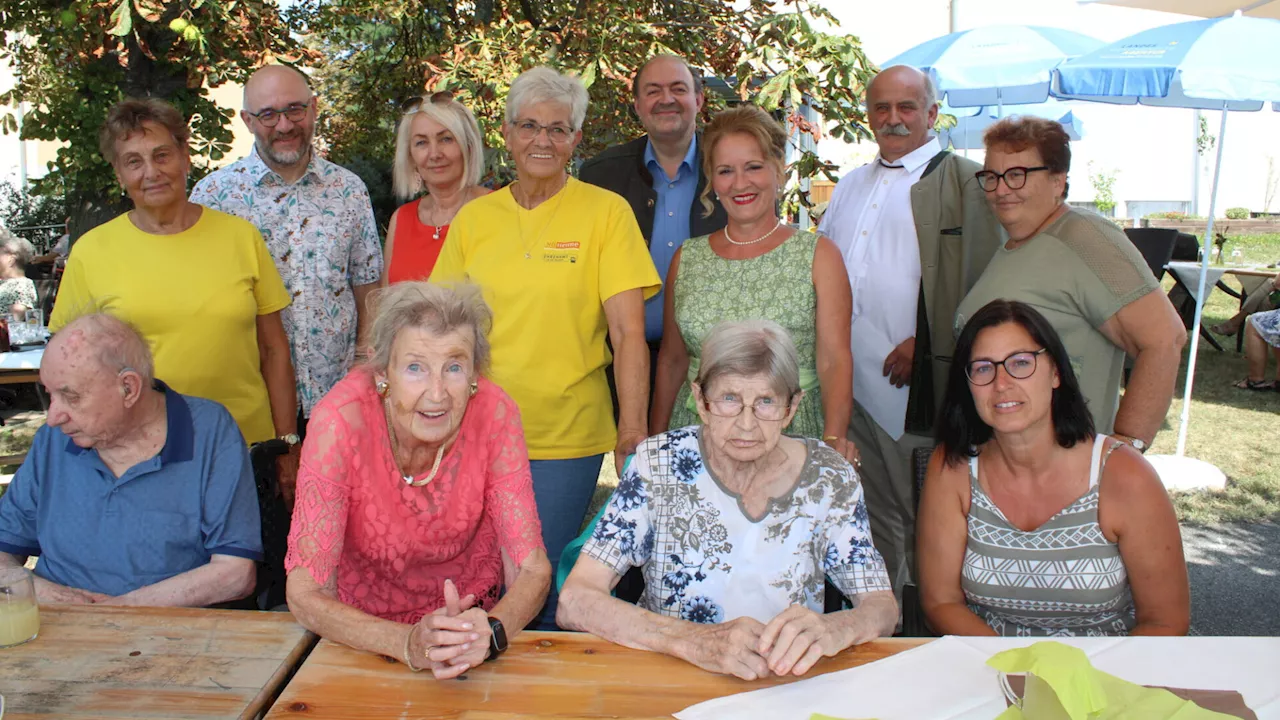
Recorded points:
395,452
431,213
528,253
752,242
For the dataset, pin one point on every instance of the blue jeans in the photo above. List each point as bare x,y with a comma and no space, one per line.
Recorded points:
562,490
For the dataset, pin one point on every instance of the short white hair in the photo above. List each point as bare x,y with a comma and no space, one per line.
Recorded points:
458,120
747,348
545,84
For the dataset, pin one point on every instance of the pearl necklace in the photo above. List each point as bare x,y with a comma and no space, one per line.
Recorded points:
395,449
752,242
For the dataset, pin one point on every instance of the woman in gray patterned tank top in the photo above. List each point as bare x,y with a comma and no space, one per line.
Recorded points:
1030,524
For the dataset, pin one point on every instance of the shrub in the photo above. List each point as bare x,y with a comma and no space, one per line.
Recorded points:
1172,215
1237,213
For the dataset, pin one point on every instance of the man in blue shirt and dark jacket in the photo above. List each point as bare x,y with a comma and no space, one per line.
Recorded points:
660,175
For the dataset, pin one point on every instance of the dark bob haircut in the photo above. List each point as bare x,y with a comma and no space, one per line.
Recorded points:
961,430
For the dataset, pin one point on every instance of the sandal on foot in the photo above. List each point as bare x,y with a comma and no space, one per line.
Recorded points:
1222,329
1258,385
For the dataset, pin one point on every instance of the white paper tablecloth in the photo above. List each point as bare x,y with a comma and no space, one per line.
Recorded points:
22,360
948,679
1189,274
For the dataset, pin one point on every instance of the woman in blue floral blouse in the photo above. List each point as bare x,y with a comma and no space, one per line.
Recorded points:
735,527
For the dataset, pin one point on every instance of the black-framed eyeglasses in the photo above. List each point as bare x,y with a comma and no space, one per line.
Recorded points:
270,117
1020,366
731,406
557,133
1015,177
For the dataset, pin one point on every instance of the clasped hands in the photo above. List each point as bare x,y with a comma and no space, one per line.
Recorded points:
790,644
452,639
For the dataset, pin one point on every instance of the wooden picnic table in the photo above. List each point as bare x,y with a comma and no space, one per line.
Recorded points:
543,674
97,661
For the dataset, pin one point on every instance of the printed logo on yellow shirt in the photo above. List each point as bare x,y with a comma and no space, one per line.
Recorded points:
561,251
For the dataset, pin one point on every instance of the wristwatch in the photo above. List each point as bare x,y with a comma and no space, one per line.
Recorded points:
497,639
1137,443
290,439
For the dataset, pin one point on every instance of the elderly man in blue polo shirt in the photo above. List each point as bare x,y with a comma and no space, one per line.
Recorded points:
132,494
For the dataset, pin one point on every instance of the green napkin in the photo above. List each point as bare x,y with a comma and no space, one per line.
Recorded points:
1063,685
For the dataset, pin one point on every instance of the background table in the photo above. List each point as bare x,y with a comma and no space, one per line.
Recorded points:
541,675
22,366
176,663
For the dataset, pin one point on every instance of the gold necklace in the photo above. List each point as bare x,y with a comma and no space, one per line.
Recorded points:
528,253
395,452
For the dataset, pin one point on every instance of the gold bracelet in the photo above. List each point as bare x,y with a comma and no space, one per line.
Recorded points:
829,437
407,661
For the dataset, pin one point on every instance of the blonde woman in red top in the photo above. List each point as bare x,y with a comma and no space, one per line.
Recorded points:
415,533
439,149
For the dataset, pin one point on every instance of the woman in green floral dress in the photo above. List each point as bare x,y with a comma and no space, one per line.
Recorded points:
757,268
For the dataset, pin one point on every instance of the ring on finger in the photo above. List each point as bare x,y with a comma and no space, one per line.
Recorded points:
427,652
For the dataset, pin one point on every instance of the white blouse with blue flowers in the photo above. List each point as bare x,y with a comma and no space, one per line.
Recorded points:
706,561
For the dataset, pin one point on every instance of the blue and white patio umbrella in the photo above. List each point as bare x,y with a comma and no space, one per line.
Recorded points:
1229,63
997,65
967,134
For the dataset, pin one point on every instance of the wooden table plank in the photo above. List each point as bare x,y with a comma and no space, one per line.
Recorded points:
116,662
541,675
1252,272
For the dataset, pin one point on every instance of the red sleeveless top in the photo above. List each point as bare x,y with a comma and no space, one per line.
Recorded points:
416,246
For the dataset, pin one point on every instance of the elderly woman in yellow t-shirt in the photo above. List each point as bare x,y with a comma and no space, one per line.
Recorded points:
563,265
198,284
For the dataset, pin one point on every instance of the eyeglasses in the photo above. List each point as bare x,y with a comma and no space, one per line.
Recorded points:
731,406
414,104
1015,177
1020,366
270,117
558,134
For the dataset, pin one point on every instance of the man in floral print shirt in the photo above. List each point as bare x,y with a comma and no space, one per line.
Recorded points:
318,223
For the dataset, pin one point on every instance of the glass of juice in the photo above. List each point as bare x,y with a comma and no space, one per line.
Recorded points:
19,613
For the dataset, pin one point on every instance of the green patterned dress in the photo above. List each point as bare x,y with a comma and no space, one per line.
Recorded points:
776,286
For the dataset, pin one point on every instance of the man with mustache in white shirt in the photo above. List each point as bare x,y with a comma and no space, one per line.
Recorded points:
915,232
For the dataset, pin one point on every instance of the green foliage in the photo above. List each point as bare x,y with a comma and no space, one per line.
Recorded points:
37,218
377,54
1172,215
1237,213
1103,183
72,61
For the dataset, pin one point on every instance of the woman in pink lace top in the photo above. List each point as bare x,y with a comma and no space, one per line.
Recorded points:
414,502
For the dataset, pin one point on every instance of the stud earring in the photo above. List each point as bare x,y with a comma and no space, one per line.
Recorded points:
382,387
475,387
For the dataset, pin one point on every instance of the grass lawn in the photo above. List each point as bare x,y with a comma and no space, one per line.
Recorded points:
1236,430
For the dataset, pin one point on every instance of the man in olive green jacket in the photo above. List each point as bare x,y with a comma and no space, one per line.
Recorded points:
916,233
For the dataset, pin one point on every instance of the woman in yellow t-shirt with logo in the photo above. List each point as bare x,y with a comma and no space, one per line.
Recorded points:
563,265
198,284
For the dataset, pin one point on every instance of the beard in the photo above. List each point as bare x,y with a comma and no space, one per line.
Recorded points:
287,157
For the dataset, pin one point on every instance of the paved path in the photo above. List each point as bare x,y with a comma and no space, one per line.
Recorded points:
1235,578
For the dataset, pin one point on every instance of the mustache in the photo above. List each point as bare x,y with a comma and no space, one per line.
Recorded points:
667,107
898,129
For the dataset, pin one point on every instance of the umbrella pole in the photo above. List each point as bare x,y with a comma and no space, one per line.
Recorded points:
1204,273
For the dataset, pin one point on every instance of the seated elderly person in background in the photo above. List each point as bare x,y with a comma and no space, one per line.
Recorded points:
1262,332
17,291
132,494
415,490
1030,524
1081,272
735,526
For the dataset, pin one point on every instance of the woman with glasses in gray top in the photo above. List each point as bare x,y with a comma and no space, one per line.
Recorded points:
1030,524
